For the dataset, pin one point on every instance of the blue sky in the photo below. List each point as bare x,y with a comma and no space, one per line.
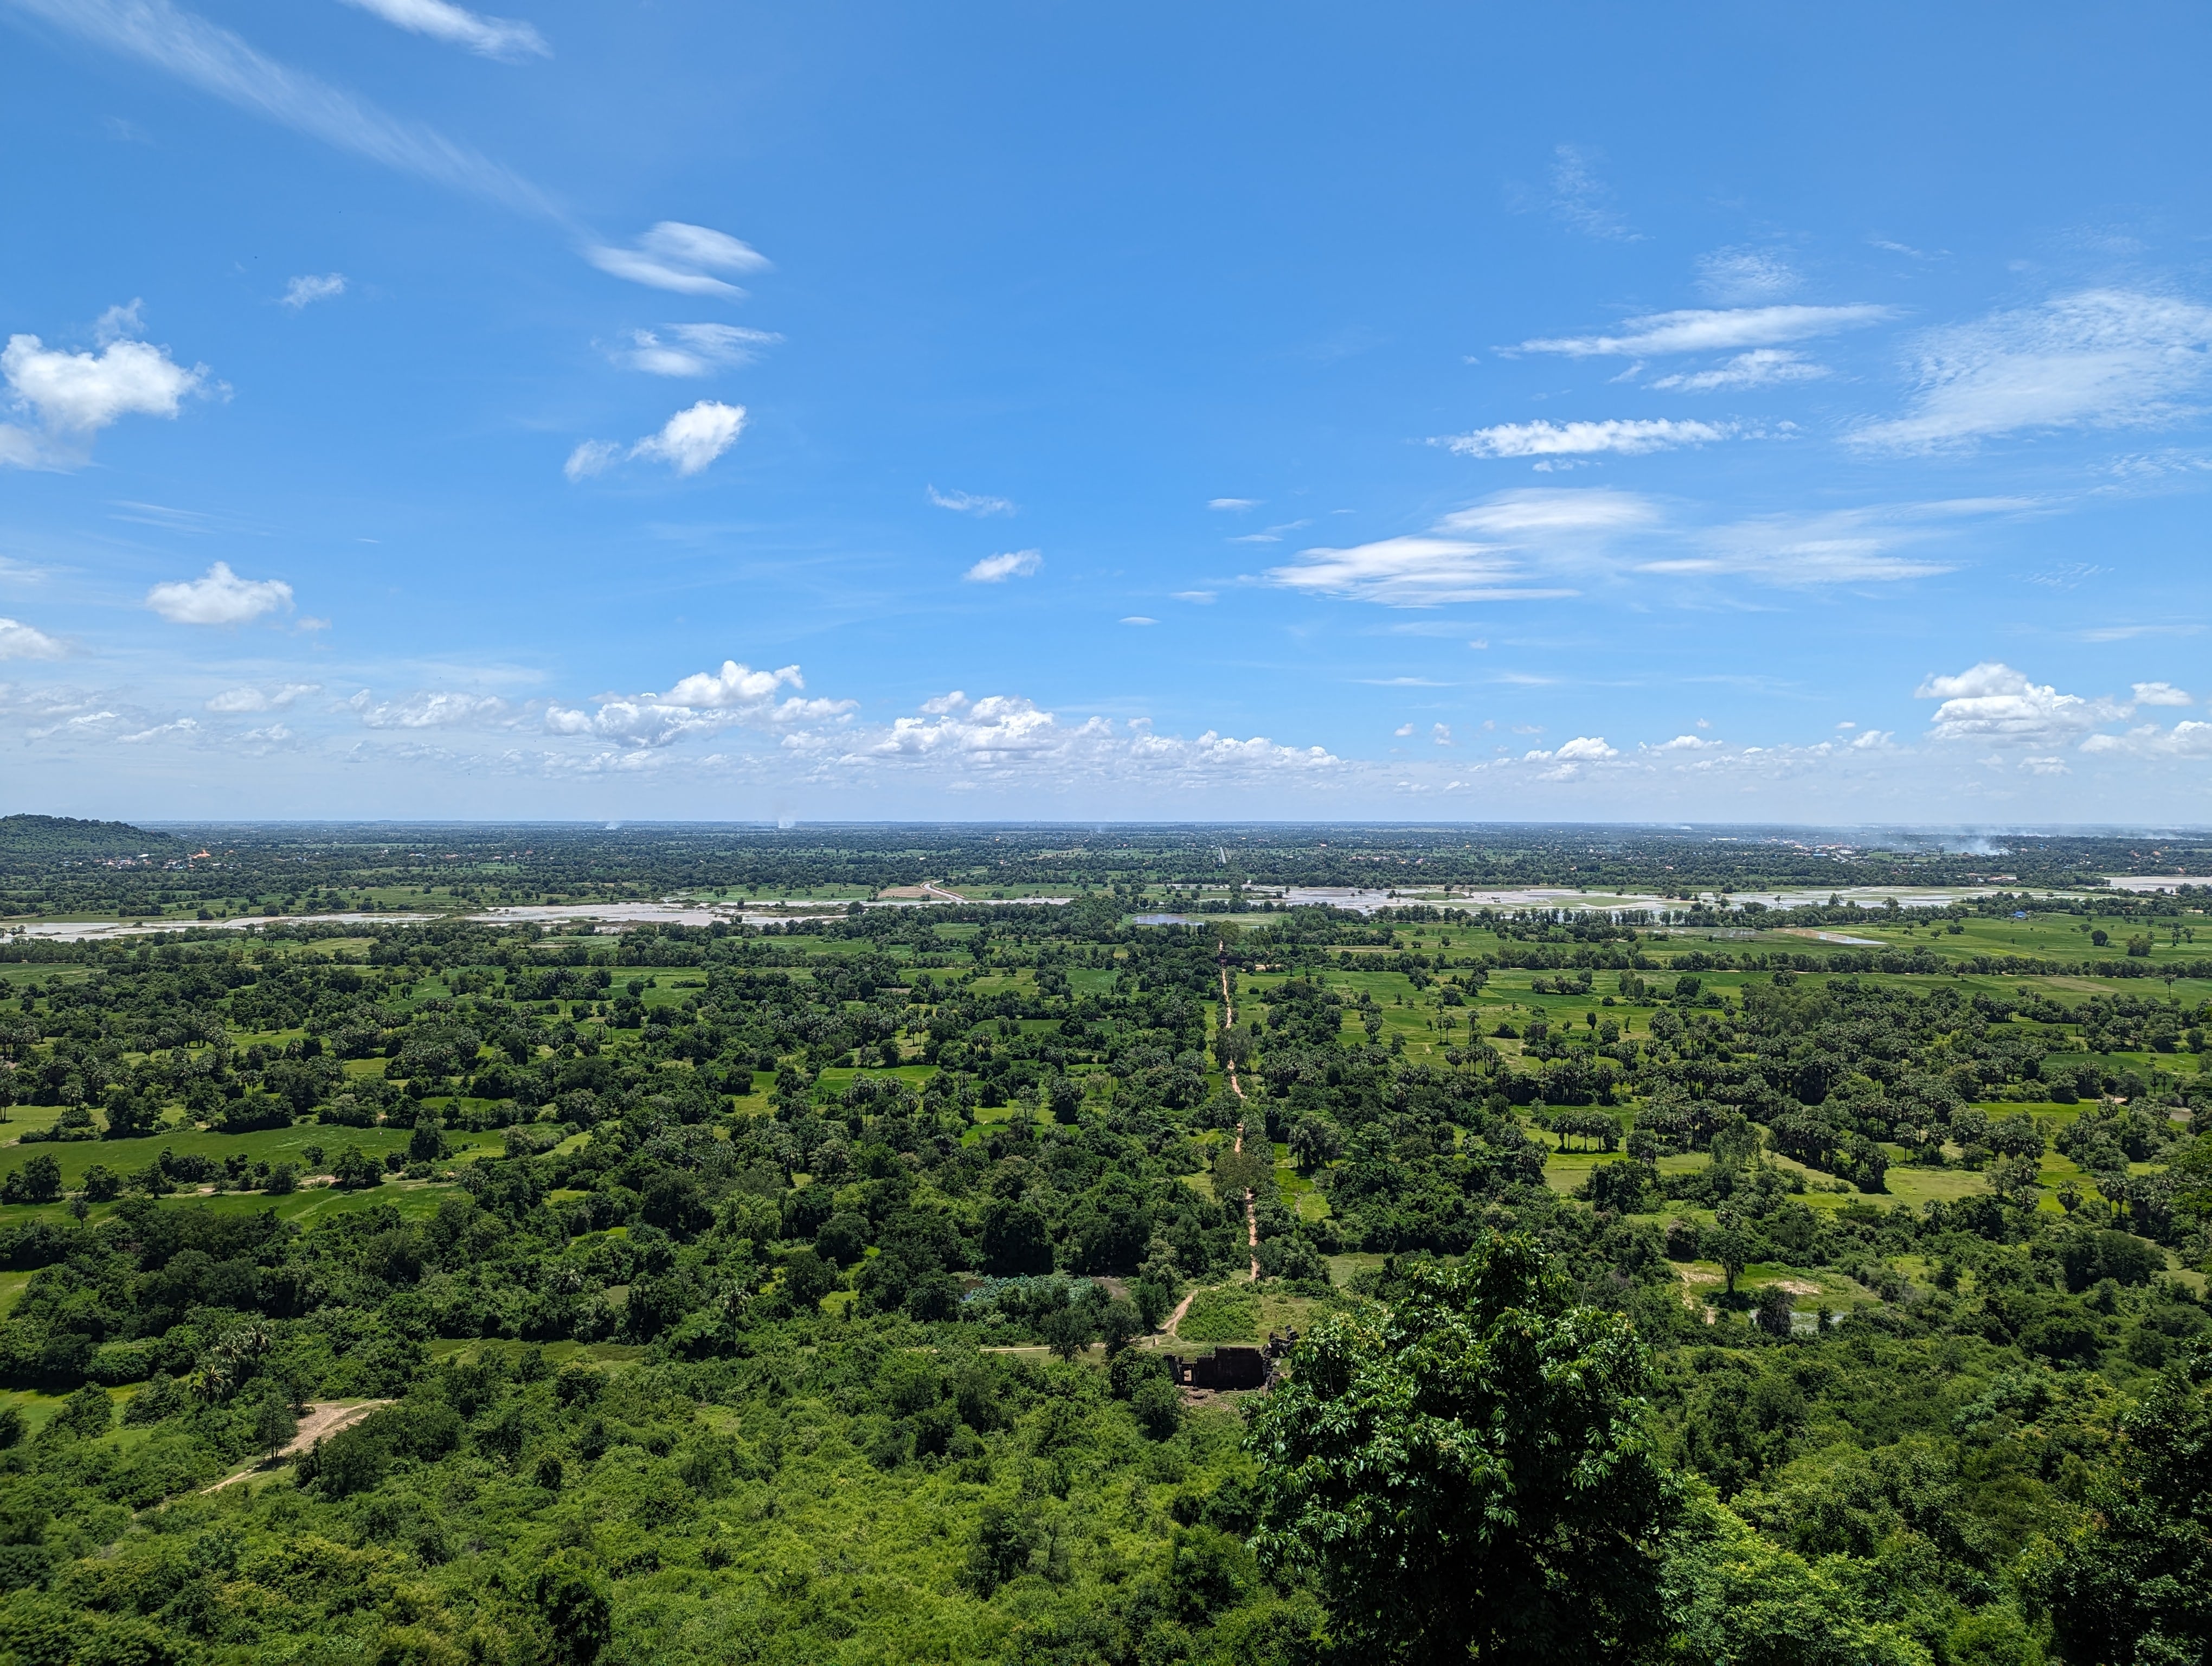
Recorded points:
860,412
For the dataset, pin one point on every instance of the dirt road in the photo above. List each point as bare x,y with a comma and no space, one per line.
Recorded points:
324,1419
1251,1212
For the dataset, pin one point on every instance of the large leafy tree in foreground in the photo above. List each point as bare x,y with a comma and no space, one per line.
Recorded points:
1467,1474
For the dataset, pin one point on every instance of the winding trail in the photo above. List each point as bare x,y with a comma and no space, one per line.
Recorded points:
1251,1212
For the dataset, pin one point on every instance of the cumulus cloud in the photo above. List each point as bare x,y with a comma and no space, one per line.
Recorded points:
1686,743
2161,694
1992,702
21,641
968,503
1542,439
486,37
682,258
261,700
1763,367
2103,358
687,442
218,598
306,291
997,570
1007,737
1728,329
72,395
693,438
702,702
693,350
428,708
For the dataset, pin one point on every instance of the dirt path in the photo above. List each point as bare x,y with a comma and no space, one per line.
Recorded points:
325,1417
1251,1212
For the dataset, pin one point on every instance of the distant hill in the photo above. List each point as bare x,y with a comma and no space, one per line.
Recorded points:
38,839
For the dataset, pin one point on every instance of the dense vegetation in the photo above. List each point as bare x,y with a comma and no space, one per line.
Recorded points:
210,872
1687,1290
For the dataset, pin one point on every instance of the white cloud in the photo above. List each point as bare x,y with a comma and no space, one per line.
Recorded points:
1581,199
306,291
1763,367
1724,330
968,503
1441,735
680,257
260,700
21,641
702,702
1542,439
1197,598
2104,358
1138,619
997,570
1412,572
181,725
2161,694
734,687
216,61
1686,743
1873,740
429,708
487,36
1991,702
220,597
1402,730
694,349
1567,759
1844,546
1233,505
690,439
1547,515
693,438
592,457
72,395
1734,275
1005,737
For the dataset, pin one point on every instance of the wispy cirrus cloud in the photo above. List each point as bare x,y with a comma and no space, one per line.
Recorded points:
261,700
997,570
2101,358
968,503
486,37
186,45
1422,571
684,259
1656,335
306,291
693,350
1628,438
1580,197
1763,367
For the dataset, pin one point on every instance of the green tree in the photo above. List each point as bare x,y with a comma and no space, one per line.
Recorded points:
2133,1585
1469,1472
356,1168
572,1599
273,1424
